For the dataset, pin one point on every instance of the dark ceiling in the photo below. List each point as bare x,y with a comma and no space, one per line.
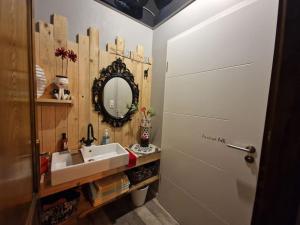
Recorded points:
149,12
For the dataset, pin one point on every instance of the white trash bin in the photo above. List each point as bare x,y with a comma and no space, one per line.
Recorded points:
138,197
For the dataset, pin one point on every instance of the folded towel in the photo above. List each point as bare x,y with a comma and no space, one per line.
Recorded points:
43,164
132,159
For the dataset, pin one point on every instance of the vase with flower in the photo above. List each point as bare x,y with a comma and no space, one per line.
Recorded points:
146,126
62,81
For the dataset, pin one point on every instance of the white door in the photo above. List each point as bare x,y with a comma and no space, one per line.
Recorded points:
216,93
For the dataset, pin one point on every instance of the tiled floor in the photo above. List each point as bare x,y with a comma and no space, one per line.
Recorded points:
122,213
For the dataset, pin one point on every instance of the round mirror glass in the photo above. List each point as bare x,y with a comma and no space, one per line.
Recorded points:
117,97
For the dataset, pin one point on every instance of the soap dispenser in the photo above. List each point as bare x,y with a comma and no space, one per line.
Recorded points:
105,138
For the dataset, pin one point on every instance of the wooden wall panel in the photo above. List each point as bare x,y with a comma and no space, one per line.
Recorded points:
60,25
55,119
73,112
94,64
147,83
47,59
84,85
60,34
48,63
120,46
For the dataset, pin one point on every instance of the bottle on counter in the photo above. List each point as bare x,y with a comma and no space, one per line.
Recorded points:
105,138
64,142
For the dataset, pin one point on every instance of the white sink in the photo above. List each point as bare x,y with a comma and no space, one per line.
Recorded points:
94,159
103,152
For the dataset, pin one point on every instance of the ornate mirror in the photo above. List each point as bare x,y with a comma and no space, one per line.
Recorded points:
115,95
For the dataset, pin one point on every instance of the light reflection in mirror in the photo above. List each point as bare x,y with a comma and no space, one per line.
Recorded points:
117,96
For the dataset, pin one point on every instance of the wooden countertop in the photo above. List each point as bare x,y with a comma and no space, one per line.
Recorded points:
47,189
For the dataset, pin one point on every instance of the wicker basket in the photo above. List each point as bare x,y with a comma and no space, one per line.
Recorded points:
59,207
141,173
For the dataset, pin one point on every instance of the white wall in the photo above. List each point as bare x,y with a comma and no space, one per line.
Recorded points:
195,13
83,14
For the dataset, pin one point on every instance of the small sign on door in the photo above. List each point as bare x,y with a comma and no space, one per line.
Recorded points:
211,138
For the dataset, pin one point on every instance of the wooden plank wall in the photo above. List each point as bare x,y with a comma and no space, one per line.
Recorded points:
55,119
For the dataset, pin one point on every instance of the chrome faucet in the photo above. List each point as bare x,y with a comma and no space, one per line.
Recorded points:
90,136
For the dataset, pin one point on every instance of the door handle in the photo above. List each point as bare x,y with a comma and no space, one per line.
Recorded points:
249,149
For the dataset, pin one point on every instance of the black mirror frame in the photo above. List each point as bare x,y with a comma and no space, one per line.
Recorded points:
116,69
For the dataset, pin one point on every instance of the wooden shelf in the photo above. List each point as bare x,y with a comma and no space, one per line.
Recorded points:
47,189
52,101
86,207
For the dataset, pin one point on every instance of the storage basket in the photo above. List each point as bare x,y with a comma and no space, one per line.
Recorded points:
59,207
141,173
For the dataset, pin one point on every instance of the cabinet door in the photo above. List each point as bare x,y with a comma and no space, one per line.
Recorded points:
16,112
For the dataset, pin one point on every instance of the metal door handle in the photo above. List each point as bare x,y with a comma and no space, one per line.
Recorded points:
249,149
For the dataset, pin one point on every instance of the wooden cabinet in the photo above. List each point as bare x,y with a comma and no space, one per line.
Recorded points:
85,207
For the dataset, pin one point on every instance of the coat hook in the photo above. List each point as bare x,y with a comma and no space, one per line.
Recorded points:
146,74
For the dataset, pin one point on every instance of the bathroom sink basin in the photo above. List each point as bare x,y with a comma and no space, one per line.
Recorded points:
90,160
103,152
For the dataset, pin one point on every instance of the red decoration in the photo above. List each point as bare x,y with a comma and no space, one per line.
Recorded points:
61,52
72,56
65,54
